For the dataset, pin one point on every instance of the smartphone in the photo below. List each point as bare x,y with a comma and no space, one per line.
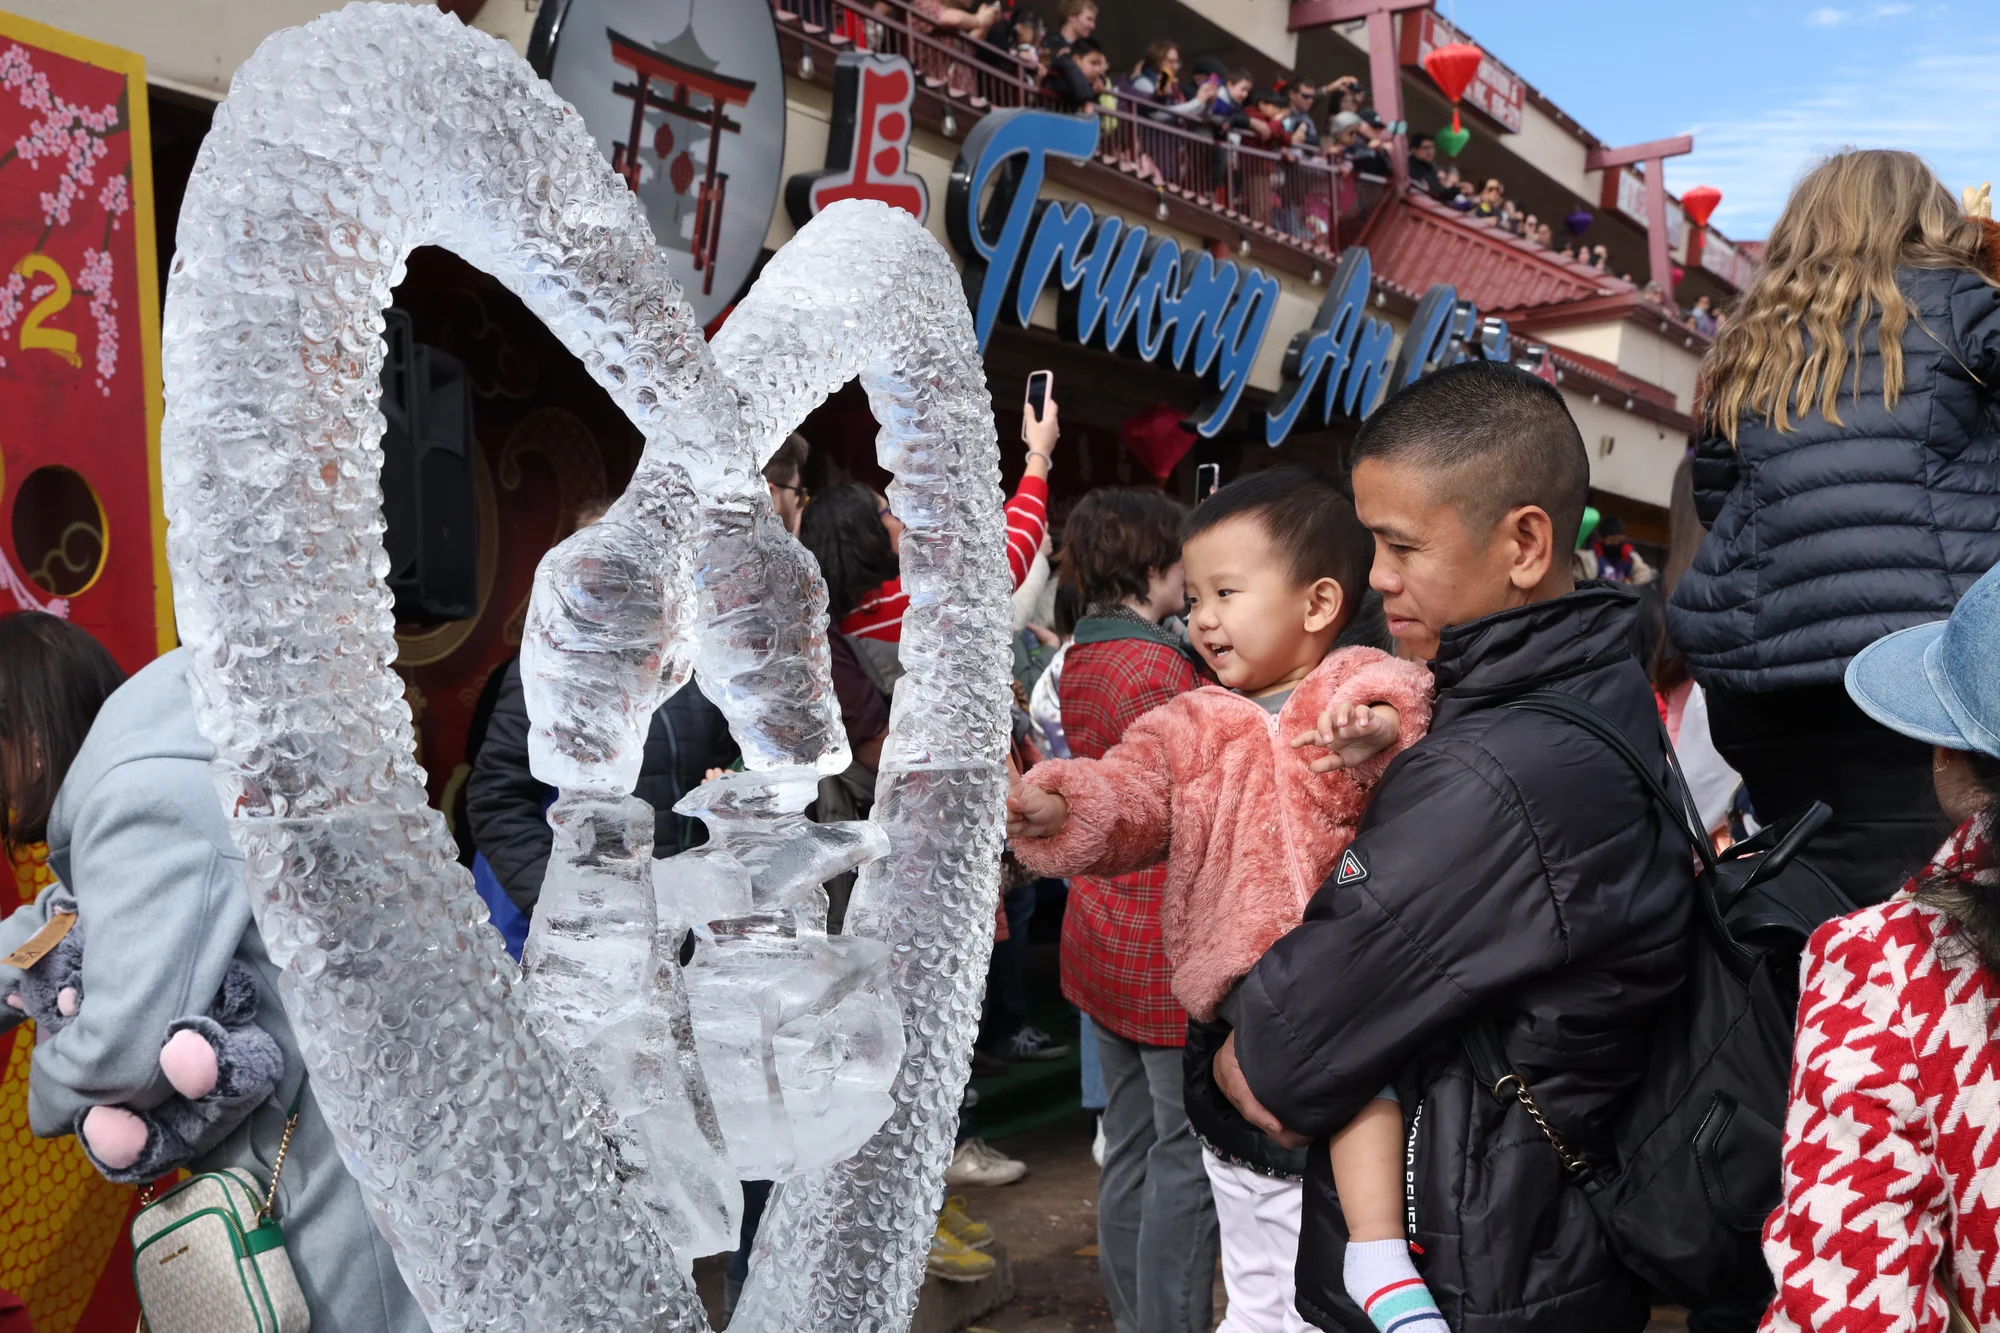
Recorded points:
1207,480
1039,384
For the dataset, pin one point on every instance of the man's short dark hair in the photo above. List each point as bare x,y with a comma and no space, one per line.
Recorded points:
1306,516
1085,46
1419,139
1498,437
788,464
1114,537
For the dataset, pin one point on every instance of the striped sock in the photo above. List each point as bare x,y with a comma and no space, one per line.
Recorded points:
1380,1277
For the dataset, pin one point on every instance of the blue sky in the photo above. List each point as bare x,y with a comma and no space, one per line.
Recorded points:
1765,86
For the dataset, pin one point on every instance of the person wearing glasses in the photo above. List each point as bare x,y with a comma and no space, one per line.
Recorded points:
785,475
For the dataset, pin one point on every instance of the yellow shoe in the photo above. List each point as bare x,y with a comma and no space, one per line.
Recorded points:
955,1261
955,1222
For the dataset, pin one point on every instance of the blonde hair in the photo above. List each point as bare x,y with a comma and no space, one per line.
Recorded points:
1829,267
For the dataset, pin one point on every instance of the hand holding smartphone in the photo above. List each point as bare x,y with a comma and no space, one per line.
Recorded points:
1039,384
1039,428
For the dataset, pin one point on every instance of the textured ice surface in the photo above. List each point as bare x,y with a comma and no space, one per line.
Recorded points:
799,1034
609,634
530,1167
865,291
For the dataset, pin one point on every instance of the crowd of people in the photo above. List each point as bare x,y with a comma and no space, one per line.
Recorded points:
1489,203
1279,984
1172,121
1319,770
1311,141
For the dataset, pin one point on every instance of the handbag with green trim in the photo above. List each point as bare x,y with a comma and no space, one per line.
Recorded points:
208,1255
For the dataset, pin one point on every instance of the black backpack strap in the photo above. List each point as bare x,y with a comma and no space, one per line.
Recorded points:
1679,804
1484,1050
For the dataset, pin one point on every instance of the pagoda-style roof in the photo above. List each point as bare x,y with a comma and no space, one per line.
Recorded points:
680,61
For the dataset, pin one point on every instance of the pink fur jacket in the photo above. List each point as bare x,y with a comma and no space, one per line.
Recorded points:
1209,782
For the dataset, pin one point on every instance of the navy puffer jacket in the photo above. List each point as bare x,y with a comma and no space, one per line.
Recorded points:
1824,538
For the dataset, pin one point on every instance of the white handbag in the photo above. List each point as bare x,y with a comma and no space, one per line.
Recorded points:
209,1257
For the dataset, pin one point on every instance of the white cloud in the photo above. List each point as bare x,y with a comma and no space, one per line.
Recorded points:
1926,102
1826,16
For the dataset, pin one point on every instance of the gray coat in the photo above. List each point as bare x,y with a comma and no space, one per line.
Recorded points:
138,835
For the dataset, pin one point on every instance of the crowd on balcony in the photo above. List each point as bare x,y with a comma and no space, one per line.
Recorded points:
1285,155
1291,155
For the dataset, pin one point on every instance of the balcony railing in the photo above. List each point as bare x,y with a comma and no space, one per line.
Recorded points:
1299,200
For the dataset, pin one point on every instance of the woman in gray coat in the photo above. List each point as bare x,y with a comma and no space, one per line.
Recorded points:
137,834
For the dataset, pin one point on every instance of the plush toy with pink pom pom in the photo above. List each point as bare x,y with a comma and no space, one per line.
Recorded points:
220,1064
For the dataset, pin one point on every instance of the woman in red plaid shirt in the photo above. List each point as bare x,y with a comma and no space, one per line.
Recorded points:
1156,1230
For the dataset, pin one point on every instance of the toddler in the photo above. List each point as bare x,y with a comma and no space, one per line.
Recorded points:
1250,793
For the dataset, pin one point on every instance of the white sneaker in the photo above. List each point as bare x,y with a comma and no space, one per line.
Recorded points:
1097,1145
976,1164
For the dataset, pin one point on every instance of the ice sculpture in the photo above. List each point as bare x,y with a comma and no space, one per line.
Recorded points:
512,1159
863,291
608,636
798,1033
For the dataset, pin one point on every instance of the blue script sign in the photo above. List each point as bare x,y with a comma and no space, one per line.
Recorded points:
1129,291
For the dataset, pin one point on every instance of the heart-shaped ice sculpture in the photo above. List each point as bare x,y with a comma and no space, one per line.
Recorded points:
538,1153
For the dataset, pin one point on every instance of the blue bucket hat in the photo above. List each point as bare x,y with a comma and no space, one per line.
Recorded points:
1939,682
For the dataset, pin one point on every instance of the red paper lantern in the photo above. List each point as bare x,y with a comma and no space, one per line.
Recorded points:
1699,203
1157,438
681,174
1452,68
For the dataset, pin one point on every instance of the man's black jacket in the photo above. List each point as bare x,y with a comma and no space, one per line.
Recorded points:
1511,866
505,802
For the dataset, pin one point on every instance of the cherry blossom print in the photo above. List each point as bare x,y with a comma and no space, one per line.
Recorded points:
70,134
95,278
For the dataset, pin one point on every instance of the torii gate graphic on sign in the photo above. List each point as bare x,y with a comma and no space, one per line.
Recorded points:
1654,157
683,66
1384,74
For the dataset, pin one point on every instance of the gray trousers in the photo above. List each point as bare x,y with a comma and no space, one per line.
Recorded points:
1156,1237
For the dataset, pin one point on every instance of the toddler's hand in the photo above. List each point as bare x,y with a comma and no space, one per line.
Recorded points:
1032,812
1351,734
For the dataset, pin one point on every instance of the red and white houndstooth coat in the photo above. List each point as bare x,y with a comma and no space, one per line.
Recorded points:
1892,1141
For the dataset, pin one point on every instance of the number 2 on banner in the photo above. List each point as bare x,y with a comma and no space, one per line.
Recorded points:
33,334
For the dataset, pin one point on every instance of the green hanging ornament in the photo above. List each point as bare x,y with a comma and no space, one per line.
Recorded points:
1451,141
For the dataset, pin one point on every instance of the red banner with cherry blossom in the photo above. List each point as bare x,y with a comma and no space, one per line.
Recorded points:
80,535
80,524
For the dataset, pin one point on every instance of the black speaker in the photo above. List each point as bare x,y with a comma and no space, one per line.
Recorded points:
427,488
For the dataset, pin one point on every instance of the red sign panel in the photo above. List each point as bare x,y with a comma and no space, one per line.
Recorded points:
81,530
1495,91
868,143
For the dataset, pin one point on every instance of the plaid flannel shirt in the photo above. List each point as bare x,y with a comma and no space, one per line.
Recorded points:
1114,966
